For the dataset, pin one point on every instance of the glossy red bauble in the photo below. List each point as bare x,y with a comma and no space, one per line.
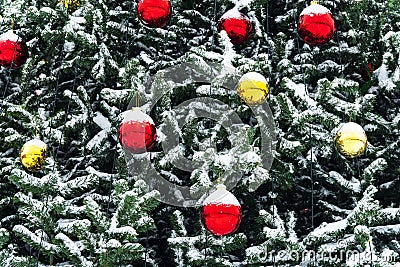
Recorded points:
316,25
13,50
221,213
237,26
154,13
137,133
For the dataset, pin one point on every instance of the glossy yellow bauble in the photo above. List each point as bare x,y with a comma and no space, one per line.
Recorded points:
71,5
351,140
253,89
33,155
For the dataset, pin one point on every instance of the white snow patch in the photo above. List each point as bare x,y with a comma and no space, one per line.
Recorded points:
136,114
232,13
354,185
146,58
301,92
36,142
253,76
96,141
102,121
10,36
353,128
69,47
315,9
325,229
221,196
389,230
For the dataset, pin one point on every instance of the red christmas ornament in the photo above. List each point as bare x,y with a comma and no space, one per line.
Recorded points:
366,72
237,26
316,25
13,50
137,132
154,13
38,92
304,210
221,212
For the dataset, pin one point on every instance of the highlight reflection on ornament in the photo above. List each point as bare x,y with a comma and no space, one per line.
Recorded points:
33,155
221,212
351,140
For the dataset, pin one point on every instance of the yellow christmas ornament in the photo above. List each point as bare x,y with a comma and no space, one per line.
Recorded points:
71,5
33,155
351,140
253,89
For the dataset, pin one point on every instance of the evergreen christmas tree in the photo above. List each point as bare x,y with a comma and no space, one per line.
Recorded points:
302,202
